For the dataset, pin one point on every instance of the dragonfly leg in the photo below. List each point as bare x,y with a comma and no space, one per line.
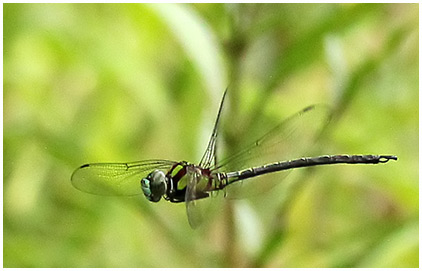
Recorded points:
201,195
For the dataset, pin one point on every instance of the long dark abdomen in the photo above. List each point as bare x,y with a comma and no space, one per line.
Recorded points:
308,162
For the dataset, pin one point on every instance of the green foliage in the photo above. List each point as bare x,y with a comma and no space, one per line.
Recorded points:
127,82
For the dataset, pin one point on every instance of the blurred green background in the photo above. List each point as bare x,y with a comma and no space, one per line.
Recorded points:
125,82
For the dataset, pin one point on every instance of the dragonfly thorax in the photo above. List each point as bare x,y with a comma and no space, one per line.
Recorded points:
154,185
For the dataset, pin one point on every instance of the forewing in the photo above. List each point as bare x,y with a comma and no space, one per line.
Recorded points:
195,217
201,204
115,178
210,156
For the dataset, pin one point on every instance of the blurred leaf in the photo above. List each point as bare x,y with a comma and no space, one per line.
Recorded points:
126,82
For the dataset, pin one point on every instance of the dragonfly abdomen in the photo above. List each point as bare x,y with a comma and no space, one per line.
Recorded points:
307,162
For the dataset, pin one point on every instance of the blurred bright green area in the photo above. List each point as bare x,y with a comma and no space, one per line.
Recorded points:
125,82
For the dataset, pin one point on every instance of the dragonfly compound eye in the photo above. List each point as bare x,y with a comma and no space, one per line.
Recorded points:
154,185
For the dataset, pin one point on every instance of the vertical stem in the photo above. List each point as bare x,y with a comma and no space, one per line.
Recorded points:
235,48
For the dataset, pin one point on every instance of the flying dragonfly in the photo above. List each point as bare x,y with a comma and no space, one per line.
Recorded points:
181,181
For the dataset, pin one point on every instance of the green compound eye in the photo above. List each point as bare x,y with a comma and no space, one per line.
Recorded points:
154,185
145,185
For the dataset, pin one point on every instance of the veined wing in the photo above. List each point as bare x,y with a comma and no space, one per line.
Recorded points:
199,208
210,156
115,178
292,138
195,216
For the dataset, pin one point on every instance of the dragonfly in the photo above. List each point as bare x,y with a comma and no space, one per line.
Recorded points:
181,181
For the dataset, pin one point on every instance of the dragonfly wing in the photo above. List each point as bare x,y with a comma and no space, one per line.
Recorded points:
115,178
195,217
210,156
293,138
199,208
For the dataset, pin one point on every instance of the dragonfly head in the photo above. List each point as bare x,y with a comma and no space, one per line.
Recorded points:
154,185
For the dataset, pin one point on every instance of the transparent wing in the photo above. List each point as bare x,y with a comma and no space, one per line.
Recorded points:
199,208
293,138
115,178
210,156
195,217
